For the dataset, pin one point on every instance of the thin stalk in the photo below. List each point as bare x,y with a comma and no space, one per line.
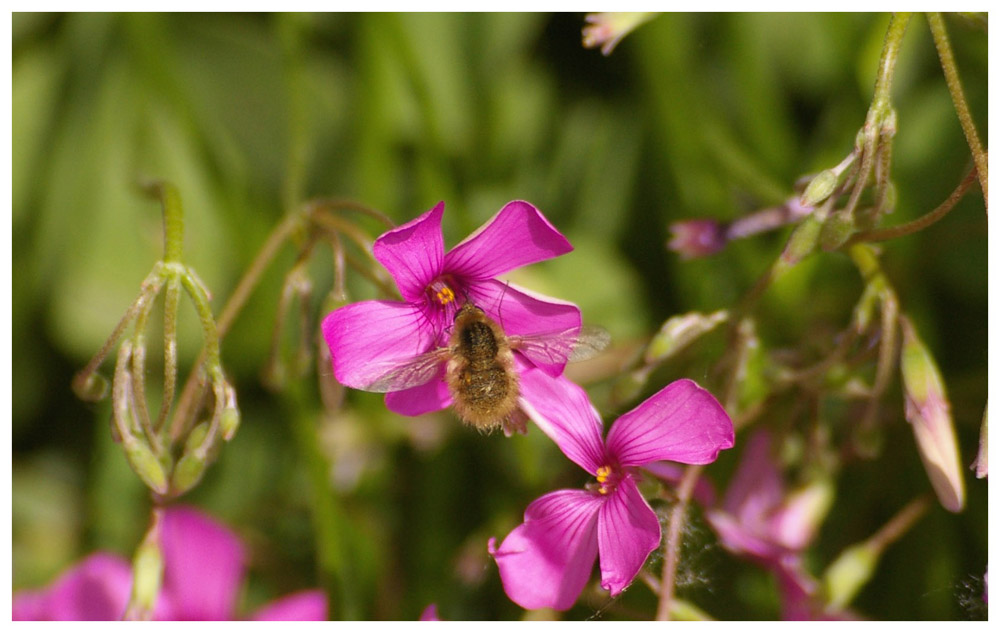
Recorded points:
171,299
672,546
173,218
880,103
138,365
330,204
958,98
193,390
921,223
150,287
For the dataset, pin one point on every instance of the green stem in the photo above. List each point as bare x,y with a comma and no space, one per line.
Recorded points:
880,103
171,299
150,287
199,296
887,64
958,97
921,223
192,393
173,218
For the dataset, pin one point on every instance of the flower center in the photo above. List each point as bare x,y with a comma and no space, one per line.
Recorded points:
440,292
607,479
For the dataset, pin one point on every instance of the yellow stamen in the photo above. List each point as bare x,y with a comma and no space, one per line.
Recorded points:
603,473
445,296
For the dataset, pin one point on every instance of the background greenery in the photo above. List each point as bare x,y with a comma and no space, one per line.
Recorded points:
692,116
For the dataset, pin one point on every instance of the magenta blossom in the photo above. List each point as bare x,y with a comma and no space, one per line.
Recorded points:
203,566
758,517
372,340
546,561
761,520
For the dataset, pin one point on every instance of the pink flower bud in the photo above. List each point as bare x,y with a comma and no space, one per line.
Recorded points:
928,410
697,238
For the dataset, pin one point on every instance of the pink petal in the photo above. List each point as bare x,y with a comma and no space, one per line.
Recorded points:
562,411
627,531
430,614
30,606
96,589
413,253
432,396
756,489
302,606
370,339
682,423
516,236
546,561
202,565
742,538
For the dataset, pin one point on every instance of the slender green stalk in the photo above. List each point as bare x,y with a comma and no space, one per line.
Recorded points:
958,98
150,288
173,218
171,299
880,103
921,223
193,391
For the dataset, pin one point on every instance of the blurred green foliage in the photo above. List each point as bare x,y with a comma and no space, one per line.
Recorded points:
249,115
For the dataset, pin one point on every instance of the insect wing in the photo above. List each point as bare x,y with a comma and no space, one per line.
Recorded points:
556,348
416,371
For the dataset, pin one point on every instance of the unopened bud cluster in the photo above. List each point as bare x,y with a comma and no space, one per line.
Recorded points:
169,453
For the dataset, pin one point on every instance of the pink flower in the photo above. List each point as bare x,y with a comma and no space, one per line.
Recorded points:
546,561
203,571
372,340
759,519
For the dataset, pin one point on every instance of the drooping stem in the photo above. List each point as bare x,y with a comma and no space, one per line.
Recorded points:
193,392
921,223
958,98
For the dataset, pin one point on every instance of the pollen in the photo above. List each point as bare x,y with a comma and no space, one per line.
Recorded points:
440,291
445,295
603,473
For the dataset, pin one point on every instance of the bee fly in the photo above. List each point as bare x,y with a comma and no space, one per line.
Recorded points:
479,365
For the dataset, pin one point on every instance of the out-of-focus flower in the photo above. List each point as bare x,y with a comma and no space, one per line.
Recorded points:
697,238
546,561
430,614
759,519
929,412
203,571
607,29
371,342
703,237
